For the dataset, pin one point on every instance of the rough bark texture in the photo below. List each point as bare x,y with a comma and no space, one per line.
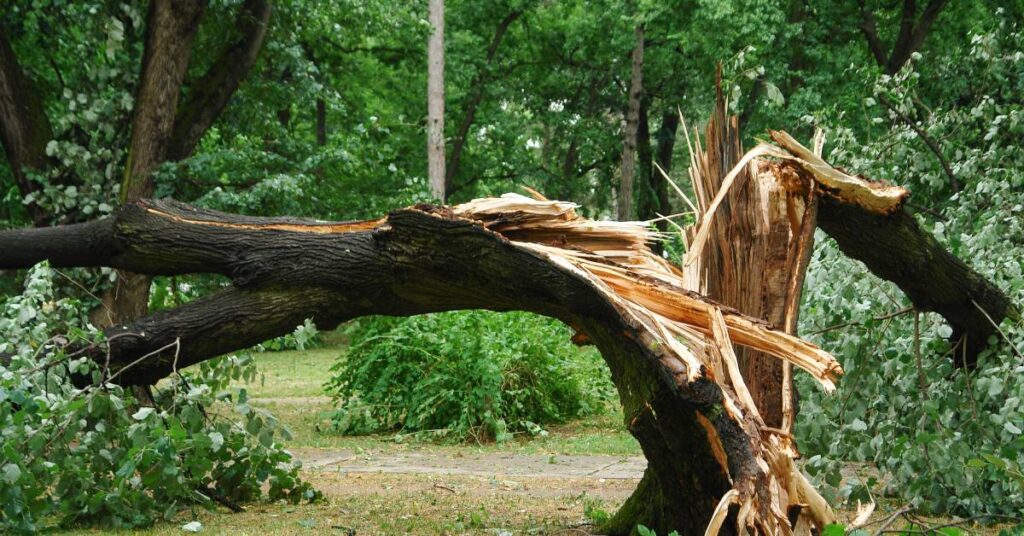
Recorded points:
629,134
435,102
170,31
894,247
415,261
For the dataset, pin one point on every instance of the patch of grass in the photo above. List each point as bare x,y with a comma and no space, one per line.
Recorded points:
293,373
373,504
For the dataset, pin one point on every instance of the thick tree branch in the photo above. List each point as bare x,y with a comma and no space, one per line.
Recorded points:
888,240
211,93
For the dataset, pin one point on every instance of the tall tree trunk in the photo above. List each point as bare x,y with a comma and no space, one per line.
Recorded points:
646,199
24,127
629,134
162,130
210,94
655,198
170,32
321,122
435,102
666,148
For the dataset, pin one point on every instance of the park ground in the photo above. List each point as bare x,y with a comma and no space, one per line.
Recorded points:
558,484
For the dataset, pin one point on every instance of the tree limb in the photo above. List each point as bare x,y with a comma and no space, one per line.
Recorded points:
479,86
211,93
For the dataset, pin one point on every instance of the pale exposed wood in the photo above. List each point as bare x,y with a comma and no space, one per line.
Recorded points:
872,196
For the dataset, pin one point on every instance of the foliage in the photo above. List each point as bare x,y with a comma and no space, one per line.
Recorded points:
73,455
465,375
947,440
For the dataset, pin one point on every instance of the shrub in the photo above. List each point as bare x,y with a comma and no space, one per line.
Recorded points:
467,374
74,455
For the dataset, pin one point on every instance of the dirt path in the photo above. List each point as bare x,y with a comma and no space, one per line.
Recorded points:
490,464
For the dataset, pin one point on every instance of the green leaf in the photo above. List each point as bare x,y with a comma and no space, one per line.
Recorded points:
11,473
834,529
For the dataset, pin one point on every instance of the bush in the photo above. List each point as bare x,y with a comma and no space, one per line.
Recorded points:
467,374
74,455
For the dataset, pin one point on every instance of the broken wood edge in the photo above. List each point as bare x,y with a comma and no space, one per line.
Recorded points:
873,196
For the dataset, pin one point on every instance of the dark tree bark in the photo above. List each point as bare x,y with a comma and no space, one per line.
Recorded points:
209,95
912,33
321,122
414,261
161,130
24,127
627,169
656,200
170,30
479,88
930,276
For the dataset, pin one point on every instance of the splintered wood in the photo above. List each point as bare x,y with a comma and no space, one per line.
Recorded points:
697,332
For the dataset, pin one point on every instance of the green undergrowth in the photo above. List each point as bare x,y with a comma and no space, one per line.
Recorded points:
465,375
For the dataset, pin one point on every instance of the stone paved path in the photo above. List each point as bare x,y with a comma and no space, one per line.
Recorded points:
477,464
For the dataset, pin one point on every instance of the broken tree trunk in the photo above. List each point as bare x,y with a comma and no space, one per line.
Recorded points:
744,263
668,348
869,222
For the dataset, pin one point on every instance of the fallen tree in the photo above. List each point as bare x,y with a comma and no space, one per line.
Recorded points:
513,253
711,454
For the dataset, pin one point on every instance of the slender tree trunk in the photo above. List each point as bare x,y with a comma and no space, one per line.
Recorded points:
321,122
646,201
479,86
24,127
629,135
435,102
666,148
